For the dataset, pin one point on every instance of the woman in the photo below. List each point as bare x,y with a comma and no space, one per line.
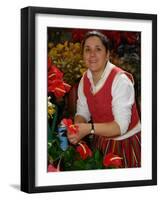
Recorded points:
106,99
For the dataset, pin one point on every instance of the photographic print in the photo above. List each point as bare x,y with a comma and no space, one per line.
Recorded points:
88,93
66,71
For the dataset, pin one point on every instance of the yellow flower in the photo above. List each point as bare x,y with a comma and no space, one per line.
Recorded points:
51,109
68,58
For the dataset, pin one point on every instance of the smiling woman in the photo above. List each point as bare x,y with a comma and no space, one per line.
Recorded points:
106,96
95,56
95,51
105,116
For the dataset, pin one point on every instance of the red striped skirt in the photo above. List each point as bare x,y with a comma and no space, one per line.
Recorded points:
129,149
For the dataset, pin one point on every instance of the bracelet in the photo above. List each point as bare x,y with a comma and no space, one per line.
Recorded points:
92,128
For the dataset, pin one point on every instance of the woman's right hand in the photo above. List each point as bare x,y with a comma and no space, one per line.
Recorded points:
83,130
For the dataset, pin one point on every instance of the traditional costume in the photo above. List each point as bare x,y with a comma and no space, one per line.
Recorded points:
103,104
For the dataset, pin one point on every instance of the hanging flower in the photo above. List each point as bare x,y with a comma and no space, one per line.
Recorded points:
112,160
84,151
72,128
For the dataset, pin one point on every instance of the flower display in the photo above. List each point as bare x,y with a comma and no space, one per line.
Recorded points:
68,58
76,157
65,69
64,50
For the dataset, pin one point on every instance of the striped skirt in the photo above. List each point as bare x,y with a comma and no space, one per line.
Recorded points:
129,149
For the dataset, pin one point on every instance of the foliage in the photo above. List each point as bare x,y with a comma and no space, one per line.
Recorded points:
73,158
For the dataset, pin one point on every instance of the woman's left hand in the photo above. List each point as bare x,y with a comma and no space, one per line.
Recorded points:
83,130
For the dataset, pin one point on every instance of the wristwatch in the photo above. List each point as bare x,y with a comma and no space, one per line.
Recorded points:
92,128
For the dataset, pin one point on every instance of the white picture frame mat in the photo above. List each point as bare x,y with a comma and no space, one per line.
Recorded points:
93,176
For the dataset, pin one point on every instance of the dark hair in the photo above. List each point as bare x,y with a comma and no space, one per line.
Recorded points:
101,36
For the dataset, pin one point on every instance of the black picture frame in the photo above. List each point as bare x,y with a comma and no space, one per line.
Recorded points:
28,90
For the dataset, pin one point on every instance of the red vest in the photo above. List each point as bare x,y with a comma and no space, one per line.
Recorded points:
100,104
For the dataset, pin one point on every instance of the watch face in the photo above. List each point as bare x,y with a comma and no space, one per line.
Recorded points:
92,131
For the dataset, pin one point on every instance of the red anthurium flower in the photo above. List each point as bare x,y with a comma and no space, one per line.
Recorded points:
51,168
84,151
112,160
54,73
73,129
67,122
67,86
56,84
57,87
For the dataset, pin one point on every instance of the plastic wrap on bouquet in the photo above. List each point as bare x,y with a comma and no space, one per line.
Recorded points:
62,134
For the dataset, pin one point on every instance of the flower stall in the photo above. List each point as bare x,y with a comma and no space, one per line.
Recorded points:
65,69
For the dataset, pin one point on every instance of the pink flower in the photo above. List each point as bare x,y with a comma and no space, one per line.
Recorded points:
51,168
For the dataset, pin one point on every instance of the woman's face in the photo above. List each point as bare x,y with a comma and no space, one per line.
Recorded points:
94,54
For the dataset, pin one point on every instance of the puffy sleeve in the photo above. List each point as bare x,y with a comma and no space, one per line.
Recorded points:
123,98
82,106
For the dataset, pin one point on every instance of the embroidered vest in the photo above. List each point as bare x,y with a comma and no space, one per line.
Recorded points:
100,103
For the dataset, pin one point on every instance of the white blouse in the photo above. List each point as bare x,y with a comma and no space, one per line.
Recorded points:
123,97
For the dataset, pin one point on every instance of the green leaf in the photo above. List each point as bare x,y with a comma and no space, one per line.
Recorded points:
97,155
79,165
98,159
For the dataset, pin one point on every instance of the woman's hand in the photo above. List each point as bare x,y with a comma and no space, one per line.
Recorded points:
83,130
